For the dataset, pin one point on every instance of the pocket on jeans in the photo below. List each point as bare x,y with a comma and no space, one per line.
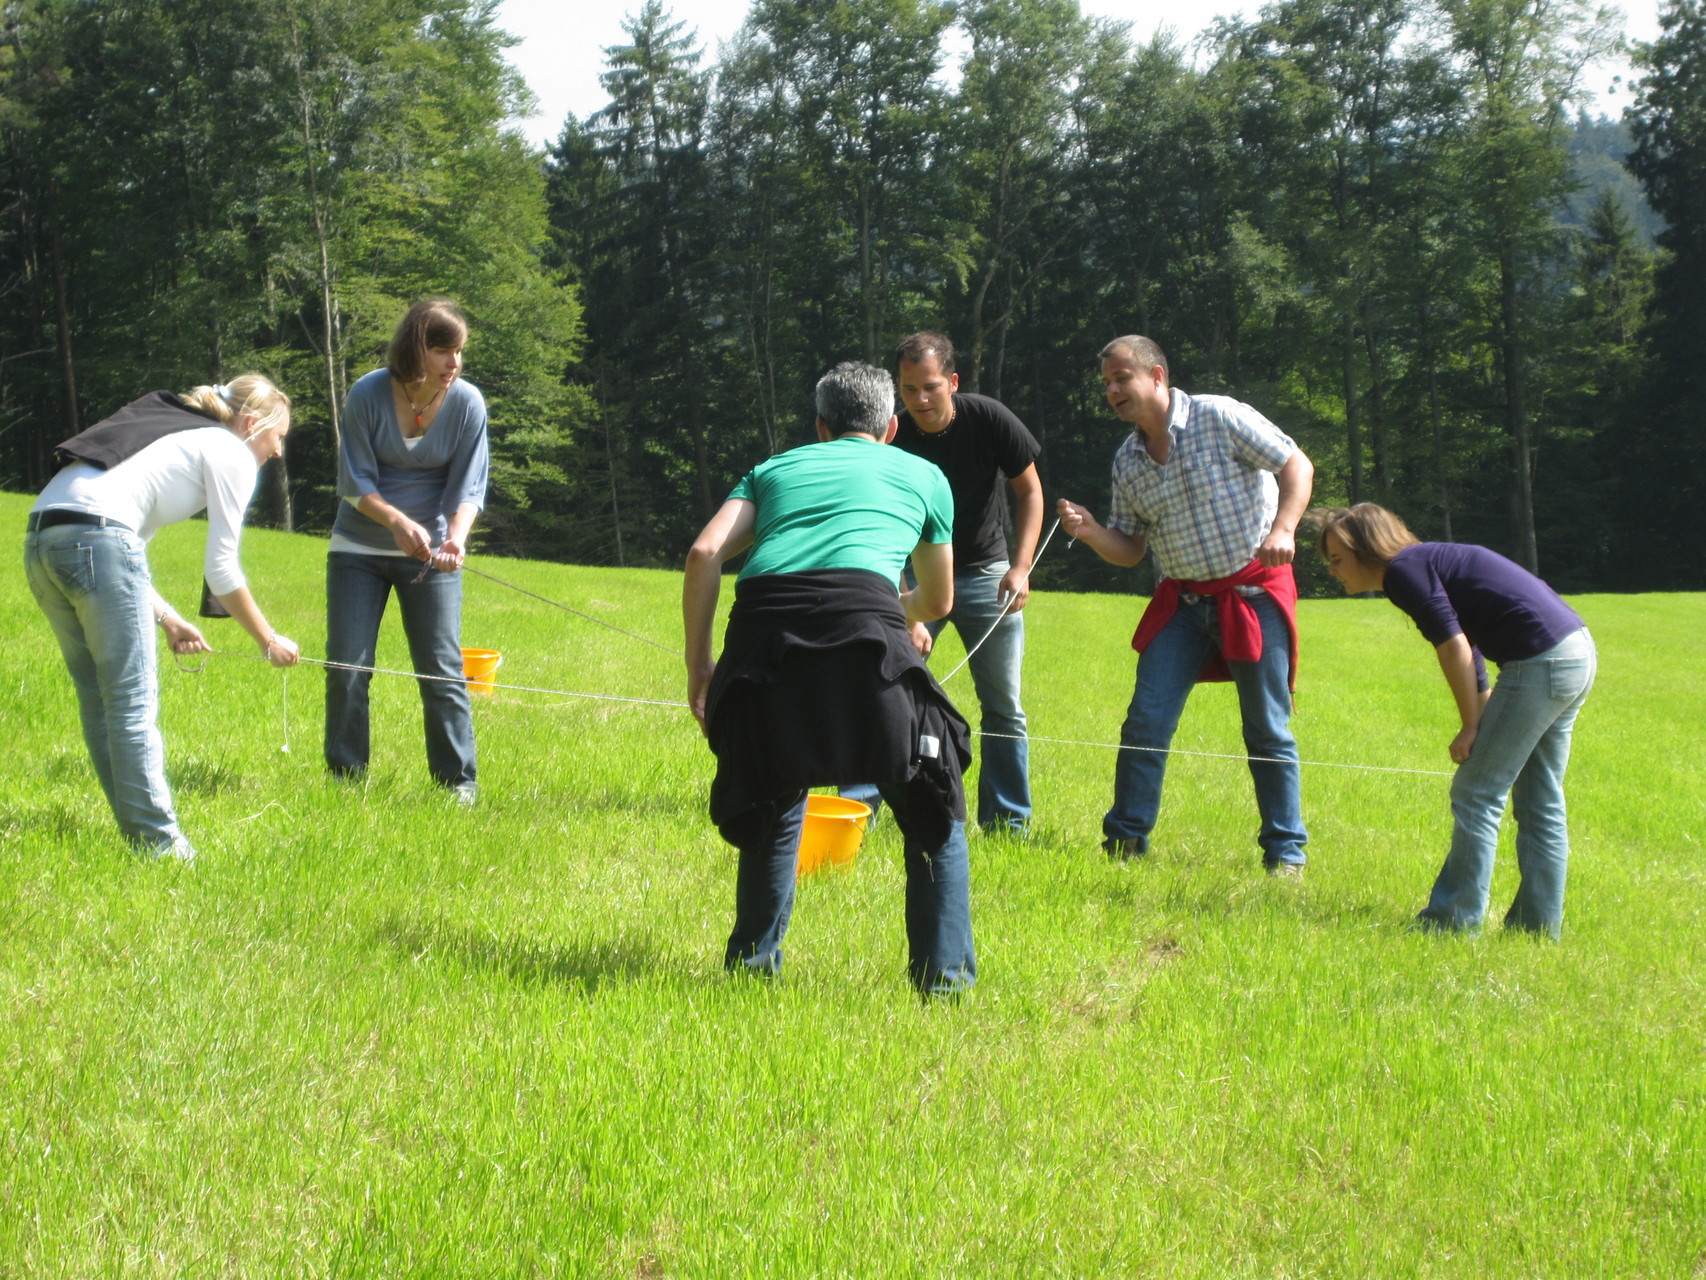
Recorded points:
72,565
1567,677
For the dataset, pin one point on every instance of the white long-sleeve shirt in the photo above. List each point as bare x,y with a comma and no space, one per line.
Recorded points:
169,481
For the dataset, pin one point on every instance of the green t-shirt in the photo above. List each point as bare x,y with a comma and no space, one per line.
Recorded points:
849,503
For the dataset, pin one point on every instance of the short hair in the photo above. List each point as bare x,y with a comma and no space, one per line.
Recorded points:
246,395
918,347
1368,531
1146,351
431,322
855,397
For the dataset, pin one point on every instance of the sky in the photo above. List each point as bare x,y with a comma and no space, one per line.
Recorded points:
562,43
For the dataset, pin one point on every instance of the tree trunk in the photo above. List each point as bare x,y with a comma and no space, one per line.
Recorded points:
1376,416
1441,473
1516,409
1353,428
62,319
610,464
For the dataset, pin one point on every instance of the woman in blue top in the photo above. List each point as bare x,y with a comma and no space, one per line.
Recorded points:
411,479
1514,741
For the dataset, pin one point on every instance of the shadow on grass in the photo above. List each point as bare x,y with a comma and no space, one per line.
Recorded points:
58,822
586,966
202,777
644,802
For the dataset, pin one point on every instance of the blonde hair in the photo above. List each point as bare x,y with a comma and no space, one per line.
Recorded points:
1368,531
249,395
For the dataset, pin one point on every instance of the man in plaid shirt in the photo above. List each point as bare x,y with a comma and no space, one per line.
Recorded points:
1217,490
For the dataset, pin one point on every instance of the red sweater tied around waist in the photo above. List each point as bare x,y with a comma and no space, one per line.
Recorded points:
1240,629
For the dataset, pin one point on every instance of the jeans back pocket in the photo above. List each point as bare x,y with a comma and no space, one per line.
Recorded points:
72,565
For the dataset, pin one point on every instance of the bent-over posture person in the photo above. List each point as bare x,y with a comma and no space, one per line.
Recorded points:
1216,490
155,462
1514,742
412,477
819,679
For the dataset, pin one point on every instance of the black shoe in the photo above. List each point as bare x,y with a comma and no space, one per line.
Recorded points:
1123,849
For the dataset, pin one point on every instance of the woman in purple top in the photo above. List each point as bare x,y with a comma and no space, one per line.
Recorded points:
1514,741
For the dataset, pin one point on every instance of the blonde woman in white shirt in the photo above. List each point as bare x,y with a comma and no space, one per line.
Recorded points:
159,460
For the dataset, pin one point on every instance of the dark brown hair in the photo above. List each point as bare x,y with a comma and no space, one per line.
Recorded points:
431,322
1369,532
915,348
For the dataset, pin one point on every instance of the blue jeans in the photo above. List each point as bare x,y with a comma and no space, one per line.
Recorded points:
1521,750
1166,673
357,587
93,585
940,960
1004,751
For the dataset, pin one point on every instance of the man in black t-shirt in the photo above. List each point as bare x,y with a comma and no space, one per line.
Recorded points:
976,441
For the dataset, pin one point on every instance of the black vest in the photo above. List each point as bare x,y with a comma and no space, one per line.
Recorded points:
132,429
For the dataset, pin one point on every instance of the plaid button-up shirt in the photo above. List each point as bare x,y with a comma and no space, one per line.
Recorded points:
1205,510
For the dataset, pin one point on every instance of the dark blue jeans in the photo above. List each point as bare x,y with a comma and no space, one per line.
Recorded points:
940,960
1166,673
357,588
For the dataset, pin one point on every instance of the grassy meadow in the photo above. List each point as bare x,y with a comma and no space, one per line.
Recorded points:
371,1034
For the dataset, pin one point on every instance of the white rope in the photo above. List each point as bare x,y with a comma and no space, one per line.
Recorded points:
1001,617
1216,755
661,702
416,675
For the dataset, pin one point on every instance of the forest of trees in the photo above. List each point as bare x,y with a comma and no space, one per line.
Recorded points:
1387,223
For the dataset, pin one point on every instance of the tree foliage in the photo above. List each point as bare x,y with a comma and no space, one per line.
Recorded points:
1389,224
197,189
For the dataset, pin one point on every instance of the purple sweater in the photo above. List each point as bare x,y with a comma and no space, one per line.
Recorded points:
1453,588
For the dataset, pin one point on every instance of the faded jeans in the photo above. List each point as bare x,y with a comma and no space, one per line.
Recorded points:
93,585
1521,750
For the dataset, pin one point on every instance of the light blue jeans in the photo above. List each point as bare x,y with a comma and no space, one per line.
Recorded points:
93,585
1166,673
1004,751
1521,750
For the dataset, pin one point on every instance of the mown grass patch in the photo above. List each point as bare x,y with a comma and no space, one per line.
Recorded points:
370,1033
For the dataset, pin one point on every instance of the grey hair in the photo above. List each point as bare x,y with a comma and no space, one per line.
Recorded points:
1146,352
856,397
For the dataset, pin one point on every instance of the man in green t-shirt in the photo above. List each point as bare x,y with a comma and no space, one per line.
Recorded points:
819,679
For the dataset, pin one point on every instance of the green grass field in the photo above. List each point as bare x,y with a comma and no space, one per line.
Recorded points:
370,1034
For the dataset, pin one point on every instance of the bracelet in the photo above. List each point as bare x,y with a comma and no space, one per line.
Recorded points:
266,649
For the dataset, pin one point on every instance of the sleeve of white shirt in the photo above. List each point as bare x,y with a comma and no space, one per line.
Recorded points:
229,473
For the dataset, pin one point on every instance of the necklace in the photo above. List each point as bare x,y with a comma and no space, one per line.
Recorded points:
420,409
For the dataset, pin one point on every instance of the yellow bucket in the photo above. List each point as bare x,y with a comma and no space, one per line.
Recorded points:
479,666
832,832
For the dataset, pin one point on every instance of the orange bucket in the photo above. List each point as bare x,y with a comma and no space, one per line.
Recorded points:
479,666
833,829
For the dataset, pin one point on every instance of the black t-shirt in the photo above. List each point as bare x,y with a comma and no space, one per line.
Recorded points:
984,442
